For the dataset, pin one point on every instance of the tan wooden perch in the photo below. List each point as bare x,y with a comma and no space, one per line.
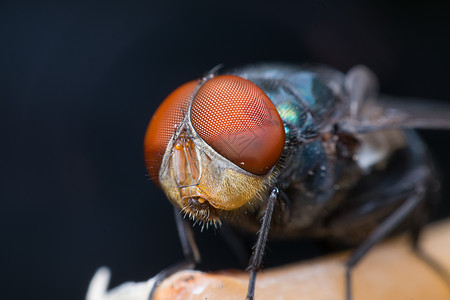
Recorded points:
390,271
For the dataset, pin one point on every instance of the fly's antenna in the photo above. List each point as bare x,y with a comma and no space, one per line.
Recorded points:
211,73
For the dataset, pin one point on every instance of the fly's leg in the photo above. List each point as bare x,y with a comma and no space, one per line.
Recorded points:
258,250
381,232
190,251
186,235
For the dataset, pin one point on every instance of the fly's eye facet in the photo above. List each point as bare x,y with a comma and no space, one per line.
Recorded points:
237,119
163,125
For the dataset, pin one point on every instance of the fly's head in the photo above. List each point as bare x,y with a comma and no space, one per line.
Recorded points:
213,146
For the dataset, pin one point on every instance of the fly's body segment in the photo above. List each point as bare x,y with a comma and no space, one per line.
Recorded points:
309,150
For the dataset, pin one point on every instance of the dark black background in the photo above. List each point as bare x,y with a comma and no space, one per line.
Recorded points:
79,82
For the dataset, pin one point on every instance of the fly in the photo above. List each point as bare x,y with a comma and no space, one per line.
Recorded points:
309,150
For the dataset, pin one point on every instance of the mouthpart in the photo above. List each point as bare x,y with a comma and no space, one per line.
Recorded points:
201,211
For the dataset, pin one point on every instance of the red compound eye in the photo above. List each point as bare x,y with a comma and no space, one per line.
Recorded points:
163,125
237,119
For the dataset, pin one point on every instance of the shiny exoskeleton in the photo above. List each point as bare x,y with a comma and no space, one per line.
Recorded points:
312,151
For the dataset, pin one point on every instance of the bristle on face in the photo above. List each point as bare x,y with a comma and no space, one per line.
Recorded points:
201,212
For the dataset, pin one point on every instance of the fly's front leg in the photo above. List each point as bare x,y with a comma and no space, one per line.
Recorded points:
190,251
258,249
381,232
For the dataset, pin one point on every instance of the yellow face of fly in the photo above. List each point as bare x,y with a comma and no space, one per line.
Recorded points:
203,184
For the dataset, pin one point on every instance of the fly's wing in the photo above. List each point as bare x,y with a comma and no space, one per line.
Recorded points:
390,112
368,112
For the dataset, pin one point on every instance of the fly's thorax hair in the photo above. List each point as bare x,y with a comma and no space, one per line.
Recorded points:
223,189
286,166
